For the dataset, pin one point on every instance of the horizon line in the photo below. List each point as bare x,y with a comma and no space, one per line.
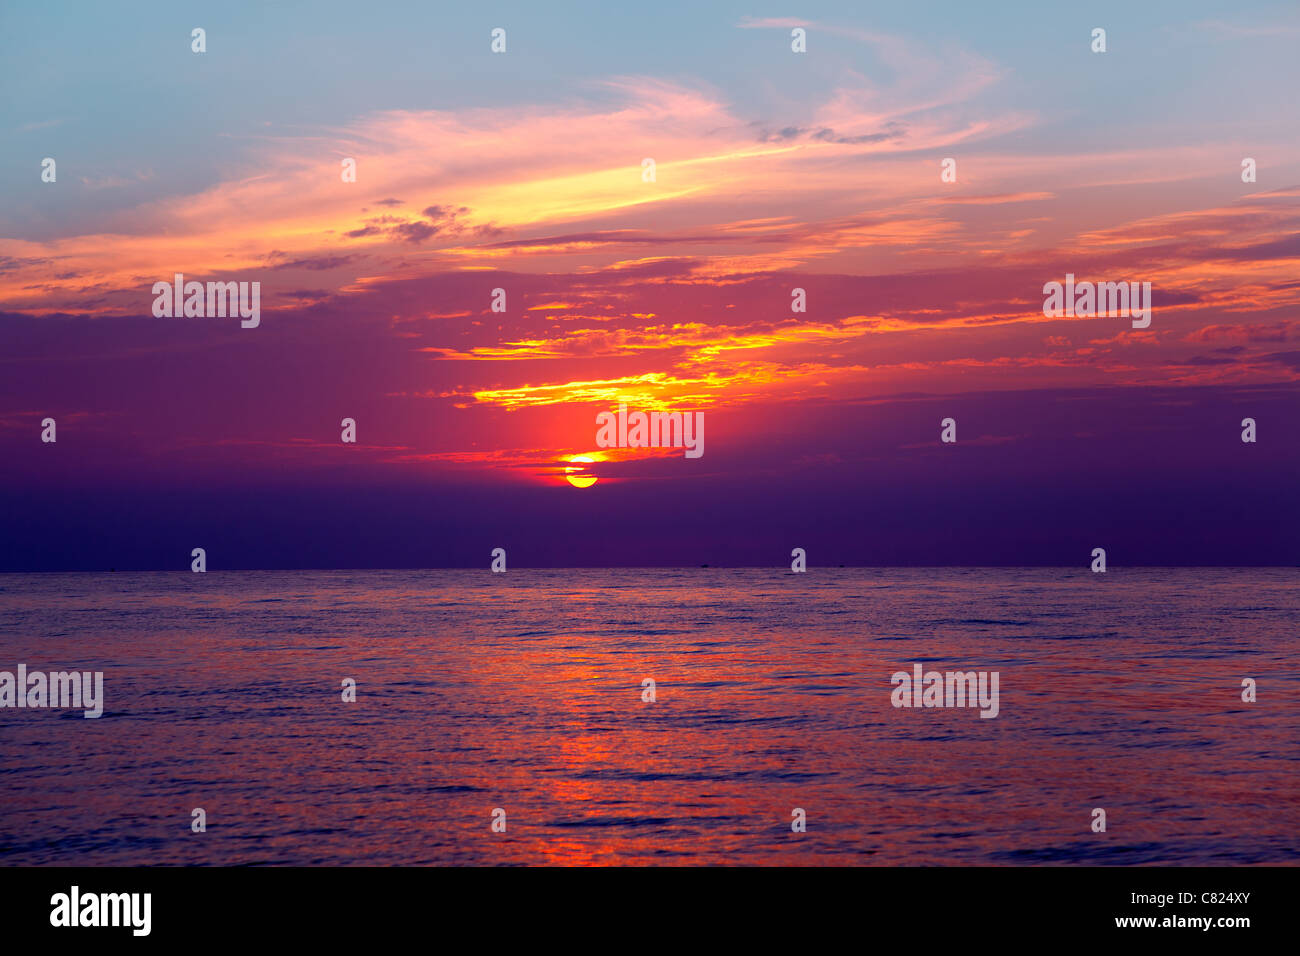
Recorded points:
684,567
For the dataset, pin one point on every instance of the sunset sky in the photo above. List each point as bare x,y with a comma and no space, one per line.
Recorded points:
523,171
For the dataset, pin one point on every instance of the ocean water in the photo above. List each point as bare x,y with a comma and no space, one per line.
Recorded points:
522,691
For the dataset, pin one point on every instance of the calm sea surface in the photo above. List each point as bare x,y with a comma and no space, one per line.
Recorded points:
523,691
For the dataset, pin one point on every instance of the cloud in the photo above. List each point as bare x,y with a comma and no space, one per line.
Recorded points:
764,23
507,169
311,263
1256,332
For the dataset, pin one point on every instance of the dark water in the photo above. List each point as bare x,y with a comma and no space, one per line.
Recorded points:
523,691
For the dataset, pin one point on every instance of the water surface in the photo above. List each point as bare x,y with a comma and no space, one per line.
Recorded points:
523,691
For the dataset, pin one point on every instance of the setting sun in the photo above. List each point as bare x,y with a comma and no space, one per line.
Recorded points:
576,477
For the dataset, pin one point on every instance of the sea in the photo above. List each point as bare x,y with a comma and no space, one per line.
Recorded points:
464,717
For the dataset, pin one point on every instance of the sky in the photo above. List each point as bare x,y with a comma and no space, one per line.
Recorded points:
524,171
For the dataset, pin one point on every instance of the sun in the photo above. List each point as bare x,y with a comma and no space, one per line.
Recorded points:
575,475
